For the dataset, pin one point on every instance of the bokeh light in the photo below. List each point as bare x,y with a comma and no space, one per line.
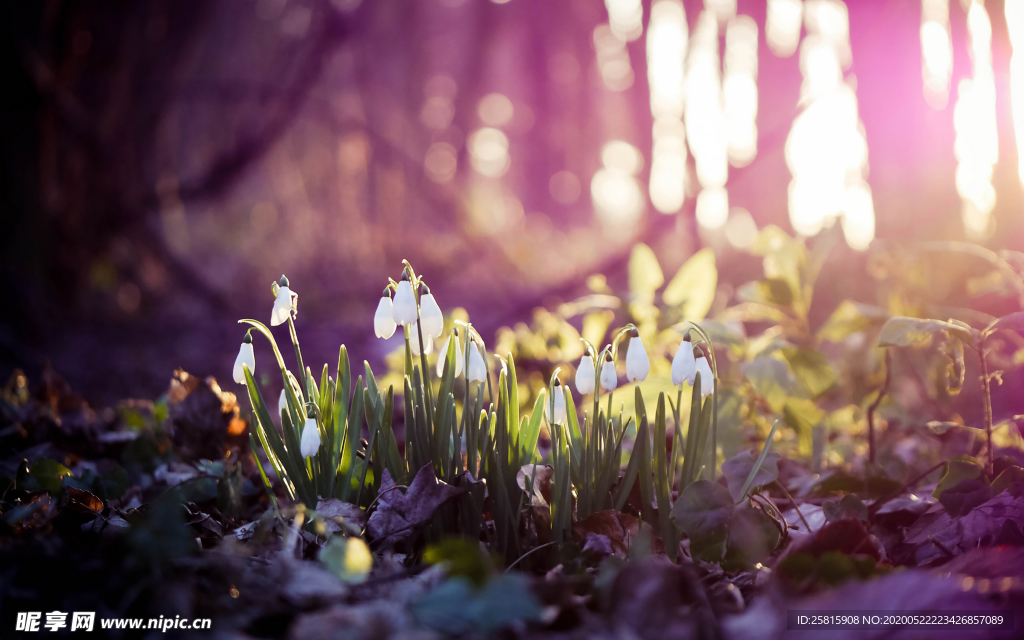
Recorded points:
667,36
782,27
495,110
616,193
625,17
488,149
936,52
612,59
1014,11
826,150
977,139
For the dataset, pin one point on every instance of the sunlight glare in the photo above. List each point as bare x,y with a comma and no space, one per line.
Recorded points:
488,150
782,29
1015,25
936,52
667,39
977,140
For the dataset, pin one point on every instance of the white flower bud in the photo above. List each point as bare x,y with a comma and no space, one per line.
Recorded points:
477,367
431,316
585,374
559,395
684,367
282,403
404,306
247,357
383,320
282,306
310,442
609,379
443,355
707,379
637,363
414,340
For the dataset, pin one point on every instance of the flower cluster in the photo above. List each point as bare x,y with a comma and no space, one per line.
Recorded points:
688,361
426,322
409,303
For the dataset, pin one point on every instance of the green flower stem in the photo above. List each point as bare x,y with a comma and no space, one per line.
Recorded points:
307,388
714,399
423,365
986,398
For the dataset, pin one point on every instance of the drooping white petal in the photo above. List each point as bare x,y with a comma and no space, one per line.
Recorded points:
637,363
431,316
477,367
683,365
282,403
414,341
443,354
310,442
559,417
585,374
245,356
609,379
383,320
404,307
282,307
707,379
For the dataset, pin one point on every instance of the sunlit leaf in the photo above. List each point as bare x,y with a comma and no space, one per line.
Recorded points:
773,291
48,474
462,558
958,470
694,285
812,368
595,325
849,318
349,559
645,276
802,416
773,379
913,332
1011,479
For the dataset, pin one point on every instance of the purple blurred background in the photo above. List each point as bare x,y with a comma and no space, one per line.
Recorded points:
165,161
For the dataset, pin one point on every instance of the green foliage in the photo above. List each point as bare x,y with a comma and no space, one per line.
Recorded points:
915,332
46,474
693,287
349,559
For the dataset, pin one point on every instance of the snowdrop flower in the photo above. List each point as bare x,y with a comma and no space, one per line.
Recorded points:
585,374
282,400
559,395
404,307
609,379
477,367
637,363
684,367
282,304
443,354
282,403
431,316
707,378
246,357
310,442
414,340
384,320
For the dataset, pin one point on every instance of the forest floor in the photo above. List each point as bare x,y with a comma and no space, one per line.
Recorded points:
157,509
